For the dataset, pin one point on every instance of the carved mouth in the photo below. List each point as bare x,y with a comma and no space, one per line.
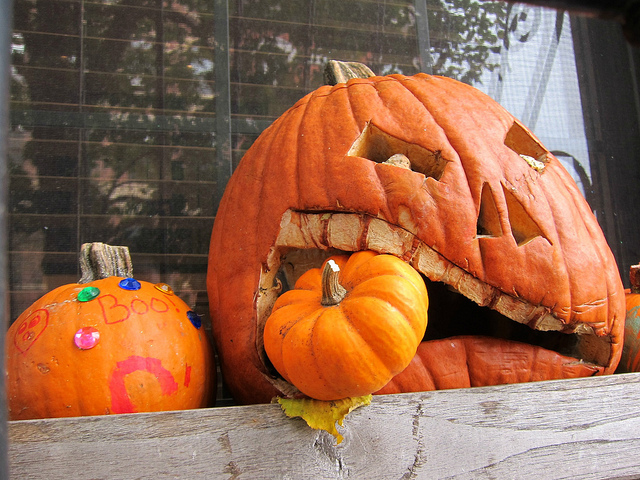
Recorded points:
460,304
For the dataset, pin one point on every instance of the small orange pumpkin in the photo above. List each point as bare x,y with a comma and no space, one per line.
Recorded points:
110,344
348,328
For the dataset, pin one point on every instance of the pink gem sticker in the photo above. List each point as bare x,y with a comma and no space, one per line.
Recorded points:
86,338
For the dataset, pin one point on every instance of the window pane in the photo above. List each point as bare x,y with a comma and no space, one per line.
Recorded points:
127,118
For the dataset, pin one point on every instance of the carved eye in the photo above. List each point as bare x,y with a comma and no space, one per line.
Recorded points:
488,218
381,147
376,145
520,140
523,227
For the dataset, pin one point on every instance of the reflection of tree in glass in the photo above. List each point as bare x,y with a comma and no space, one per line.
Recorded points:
117,102
121,94
279,48
465,35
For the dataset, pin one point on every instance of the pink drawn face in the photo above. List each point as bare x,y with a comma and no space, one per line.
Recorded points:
30,329
120,401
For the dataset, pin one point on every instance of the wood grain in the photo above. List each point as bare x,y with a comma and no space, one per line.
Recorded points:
582,429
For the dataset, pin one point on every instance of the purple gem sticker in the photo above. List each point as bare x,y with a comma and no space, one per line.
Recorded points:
86,338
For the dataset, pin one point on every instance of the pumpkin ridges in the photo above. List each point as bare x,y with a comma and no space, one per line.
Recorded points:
388,333
272,196
416,376
289,350
454,179
244,277
363,111
351,268
284,317
611,325
296,184
352,356
316,380
375,265
381,277
354,107
392,99
467,362
572,279
311,127
462,94
398,294
353,347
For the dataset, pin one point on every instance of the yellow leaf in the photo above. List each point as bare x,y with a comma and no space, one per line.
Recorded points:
322,415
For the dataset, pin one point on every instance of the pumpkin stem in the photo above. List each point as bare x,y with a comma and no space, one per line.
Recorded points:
336,71
332,291
634,277
99,260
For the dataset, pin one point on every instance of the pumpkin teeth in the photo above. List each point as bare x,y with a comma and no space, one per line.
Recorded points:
325,233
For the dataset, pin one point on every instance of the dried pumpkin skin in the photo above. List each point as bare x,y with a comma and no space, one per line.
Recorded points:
483,207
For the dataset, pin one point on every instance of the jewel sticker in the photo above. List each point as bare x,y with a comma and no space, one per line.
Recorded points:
194,318
88,293
86,338
164,288
130,284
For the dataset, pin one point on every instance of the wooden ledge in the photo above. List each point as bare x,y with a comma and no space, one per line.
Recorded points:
585,428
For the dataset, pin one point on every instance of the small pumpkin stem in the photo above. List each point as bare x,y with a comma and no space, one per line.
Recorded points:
99,260
332,291
634,277
336,72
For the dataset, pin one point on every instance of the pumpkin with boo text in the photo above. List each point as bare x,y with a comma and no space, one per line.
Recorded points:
522,284
111,344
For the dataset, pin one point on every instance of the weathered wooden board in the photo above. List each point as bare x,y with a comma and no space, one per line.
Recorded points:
582,429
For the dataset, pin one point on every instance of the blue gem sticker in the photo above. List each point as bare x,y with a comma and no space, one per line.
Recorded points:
194,318
130,284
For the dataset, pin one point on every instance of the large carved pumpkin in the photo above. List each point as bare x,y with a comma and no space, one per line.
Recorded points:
522,284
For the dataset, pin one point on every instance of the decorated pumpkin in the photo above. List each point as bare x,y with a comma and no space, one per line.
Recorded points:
437,174
108,344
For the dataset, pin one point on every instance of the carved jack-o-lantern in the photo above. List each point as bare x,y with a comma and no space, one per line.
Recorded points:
438,174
